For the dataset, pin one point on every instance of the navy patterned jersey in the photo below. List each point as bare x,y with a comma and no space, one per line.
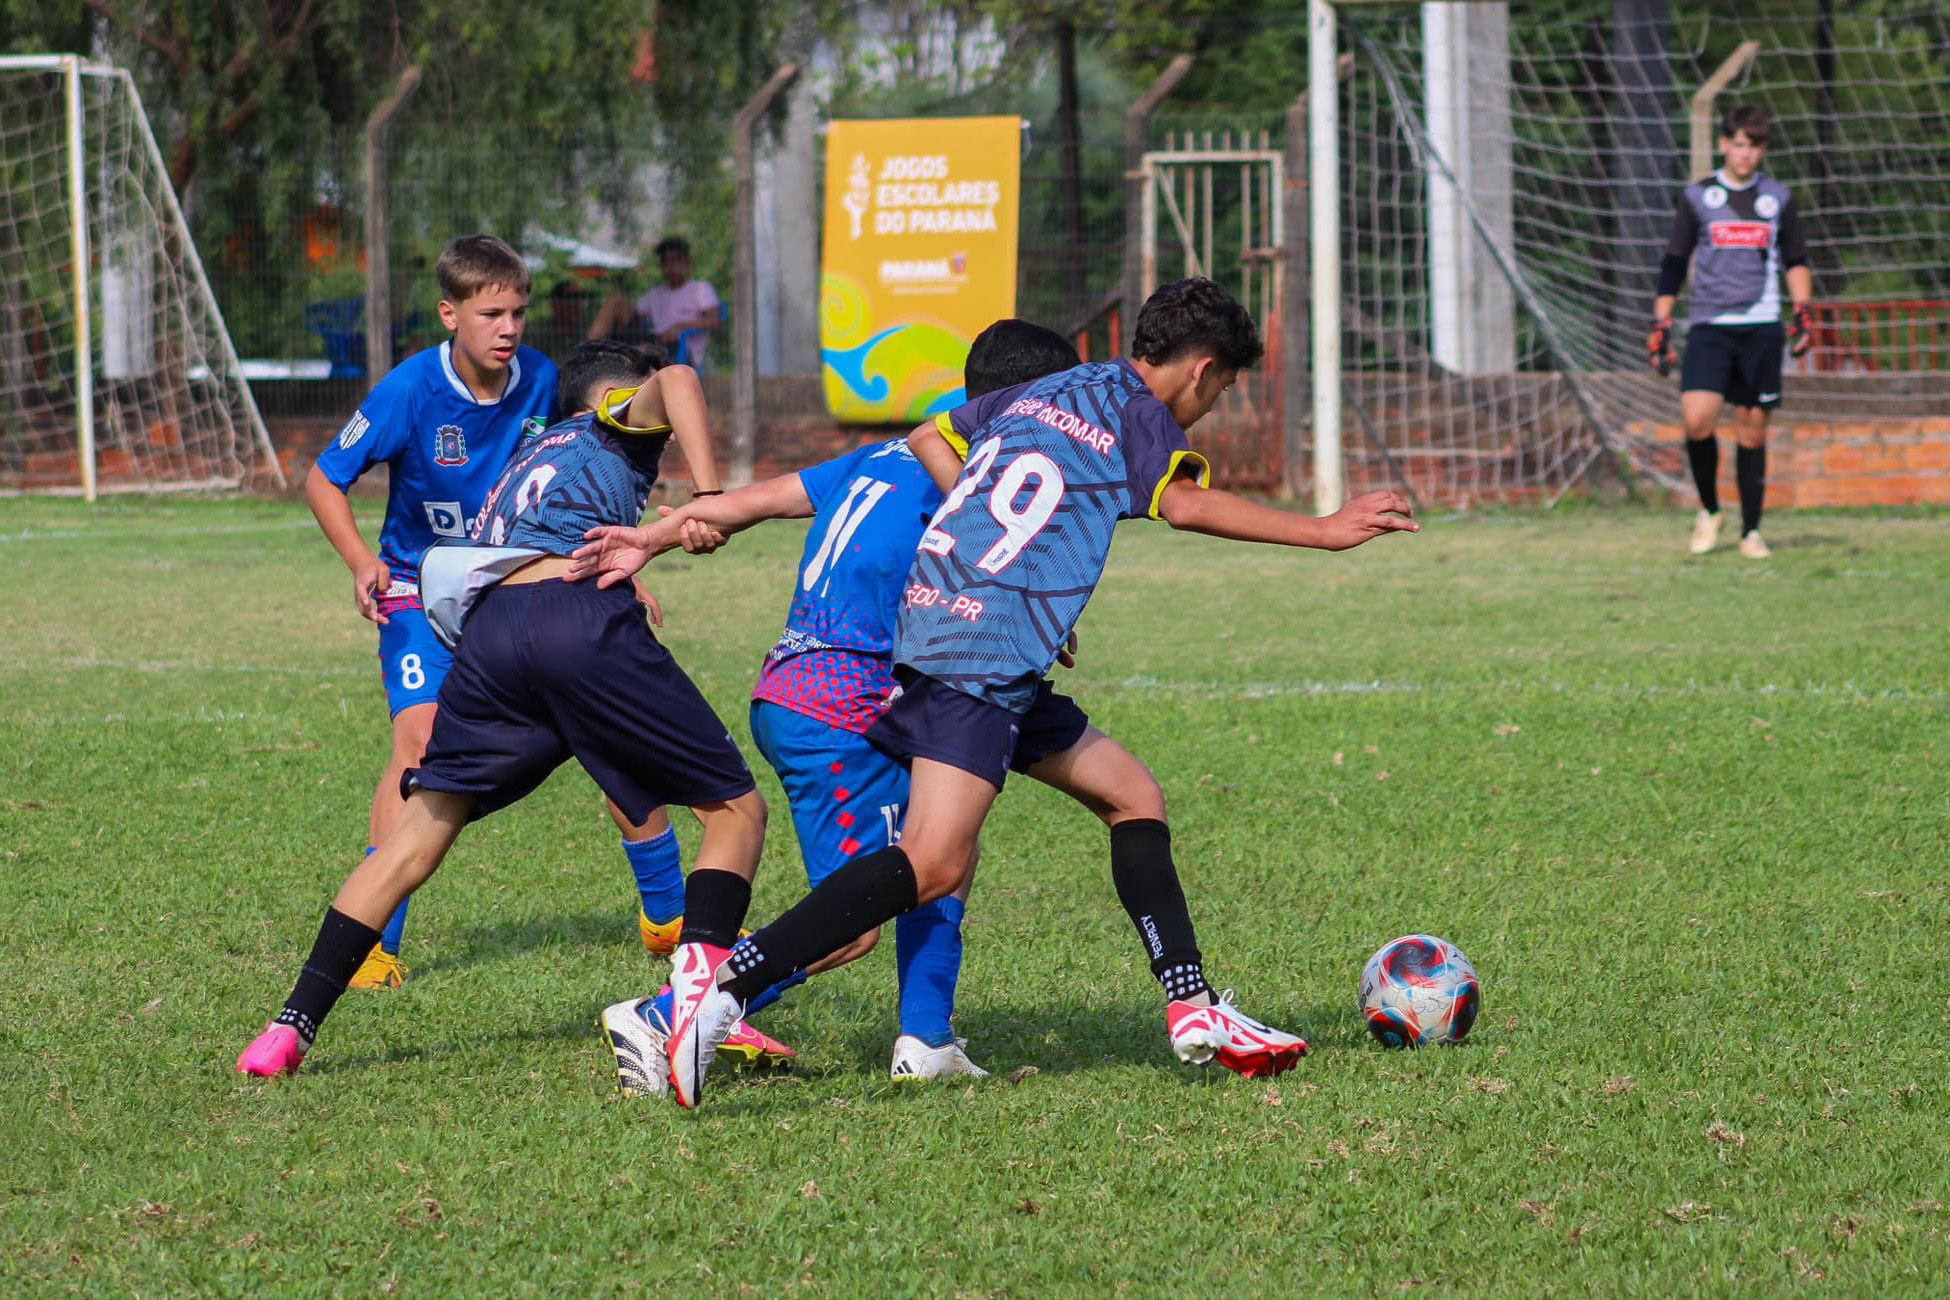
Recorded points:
570,478
1005,569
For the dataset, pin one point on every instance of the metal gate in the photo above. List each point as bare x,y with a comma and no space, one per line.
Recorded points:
1212,207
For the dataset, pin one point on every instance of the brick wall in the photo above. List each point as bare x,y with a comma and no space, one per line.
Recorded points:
1882,462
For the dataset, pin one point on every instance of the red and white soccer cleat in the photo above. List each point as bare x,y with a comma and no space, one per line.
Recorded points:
277,1050
1224,1033
701,1018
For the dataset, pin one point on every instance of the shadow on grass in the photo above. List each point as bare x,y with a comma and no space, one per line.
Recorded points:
474,944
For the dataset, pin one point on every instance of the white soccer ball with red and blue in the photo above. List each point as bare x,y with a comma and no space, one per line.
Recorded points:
1418,991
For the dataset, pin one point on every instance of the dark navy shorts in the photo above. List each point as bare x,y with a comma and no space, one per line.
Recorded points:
552,670
927,719
1742,363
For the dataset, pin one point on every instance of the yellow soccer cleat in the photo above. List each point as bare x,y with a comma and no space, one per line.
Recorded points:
380,970
659,940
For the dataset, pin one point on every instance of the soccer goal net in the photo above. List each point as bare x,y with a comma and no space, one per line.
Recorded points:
115,368
1507,176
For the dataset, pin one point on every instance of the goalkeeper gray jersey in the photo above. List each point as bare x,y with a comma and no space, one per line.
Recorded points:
1739,240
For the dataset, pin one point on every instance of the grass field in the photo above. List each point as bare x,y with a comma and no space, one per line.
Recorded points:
1688,817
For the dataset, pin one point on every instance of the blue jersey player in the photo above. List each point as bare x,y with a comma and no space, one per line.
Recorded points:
547,670
1037,477
443,423
828,678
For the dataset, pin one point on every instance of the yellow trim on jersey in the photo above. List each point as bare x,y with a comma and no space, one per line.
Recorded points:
1178,460
619,400
946,428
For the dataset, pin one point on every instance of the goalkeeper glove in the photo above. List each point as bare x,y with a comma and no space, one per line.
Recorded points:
1658,346
1801,330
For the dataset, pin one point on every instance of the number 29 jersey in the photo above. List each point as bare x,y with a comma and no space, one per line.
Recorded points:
1018,545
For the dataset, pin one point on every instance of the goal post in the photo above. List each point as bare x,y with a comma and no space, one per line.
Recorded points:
1491,186
116,370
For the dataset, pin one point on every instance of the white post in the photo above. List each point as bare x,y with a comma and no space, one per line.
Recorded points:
1324,187
84,343
1466,80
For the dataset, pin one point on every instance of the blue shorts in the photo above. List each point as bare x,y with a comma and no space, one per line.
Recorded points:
553,670
847,797
411,659
928,719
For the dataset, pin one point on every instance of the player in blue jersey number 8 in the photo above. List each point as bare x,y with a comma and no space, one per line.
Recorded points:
1037,477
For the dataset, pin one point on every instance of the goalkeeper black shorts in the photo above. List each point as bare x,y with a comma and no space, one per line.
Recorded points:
1742,363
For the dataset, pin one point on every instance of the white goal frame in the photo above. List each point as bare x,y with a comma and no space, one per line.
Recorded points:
73,68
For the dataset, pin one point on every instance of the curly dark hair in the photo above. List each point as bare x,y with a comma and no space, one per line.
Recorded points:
1196,316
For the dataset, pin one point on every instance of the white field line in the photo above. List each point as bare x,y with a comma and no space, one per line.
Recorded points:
142,537
1270,690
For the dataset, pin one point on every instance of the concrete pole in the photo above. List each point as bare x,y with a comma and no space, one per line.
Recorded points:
744,281
1324,265
379,279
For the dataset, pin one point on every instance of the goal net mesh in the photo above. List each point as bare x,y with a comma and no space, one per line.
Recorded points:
1504,215
170,407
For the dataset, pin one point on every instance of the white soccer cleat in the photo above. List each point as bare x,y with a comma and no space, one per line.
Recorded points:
1706,532
1222,1032
914,1061
1753,548
702,1016
637,1034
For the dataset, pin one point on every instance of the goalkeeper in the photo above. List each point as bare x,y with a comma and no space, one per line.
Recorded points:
1740,230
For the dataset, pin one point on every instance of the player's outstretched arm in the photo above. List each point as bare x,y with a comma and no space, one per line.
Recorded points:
675,396
1186,505
937,457
615,553
370,576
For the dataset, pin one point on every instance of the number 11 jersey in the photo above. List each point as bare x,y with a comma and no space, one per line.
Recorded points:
1018,545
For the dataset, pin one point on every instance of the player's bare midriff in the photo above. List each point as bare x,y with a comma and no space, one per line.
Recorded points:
540,569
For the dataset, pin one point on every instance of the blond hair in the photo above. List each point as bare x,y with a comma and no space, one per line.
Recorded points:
476,263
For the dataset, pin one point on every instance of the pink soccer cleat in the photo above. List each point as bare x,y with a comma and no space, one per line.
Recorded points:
754,1047
1224,1033
701,1017
276,1051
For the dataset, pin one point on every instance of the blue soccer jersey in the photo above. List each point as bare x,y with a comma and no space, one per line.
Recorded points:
579,474
834,662
1004,571
443,446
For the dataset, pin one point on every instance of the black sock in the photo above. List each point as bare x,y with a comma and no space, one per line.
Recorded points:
864,893
341,945
1704,453
1147,885
1750,471
715,903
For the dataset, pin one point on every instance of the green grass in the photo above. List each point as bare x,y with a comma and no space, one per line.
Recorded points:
1688,817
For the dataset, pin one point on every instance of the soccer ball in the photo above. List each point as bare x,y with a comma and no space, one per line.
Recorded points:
1419,989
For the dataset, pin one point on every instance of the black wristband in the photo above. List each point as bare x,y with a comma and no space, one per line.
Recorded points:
707,492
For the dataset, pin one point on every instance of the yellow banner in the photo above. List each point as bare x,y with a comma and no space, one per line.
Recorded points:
919,258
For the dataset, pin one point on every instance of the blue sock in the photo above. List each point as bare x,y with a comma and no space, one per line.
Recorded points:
396,923
773,994
659,875
927,955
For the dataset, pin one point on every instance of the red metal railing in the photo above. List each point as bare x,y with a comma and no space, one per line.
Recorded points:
1876,337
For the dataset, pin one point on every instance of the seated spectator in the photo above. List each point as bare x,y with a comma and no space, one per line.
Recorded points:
677,307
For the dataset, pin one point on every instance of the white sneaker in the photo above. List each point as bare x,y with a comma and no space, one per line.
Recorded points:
636,1032
1706,531
1224,1033
914,1060
702,1016
1753,548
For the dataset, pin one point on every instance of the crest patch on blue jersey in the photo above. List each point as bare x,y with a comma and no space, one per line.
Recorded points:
532,426
449,445
355,429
